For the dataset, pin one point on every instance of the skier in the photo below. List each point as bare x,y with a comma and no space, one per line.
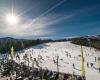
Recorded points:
86,54
54,60
98,58
32,64
95,59
28,61
70,55
30,57
37,64
65,76
16,56
56,76
87,64
73,66
91,64
99,69
25,55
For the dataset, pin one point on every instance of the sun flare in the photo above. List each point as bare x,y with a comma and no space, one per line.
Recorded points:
12,19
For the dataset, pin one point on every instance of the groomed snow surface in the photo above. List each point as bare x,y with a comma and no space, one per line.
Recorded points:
68,55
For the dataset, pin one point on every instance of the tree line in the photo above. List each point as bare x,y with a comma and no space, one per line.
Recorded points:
18,44
90,42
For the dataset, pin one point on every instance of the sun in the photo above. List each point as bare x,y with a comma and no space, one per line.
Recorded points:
12,19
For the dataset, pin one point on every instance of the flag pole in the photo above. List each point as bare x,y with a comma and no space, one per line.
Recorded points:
57,64
12,53
82,64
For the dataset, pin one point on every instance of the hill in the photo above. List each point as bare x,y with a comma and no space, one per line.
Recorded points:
90,41
68,54
18,44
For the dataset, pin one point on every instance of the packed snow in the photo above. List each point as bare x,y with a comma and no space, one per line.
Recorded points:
69,54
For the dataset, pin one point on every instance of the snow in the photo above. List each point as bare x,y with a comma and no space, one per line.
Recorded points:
50,51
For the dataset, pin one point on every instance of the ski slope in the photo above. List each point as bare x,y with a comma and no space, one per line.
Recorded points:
68,53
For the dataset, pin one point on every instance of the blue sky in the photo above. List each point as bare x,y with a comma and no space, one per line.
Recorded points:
50,18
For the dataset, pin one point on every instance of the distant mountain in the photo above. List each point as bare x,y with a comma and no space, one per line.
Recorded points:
92,37
10,39
92,41
7,42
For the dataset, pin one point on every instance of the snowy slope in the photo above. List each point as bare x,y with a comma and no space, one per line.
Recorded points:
68,55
